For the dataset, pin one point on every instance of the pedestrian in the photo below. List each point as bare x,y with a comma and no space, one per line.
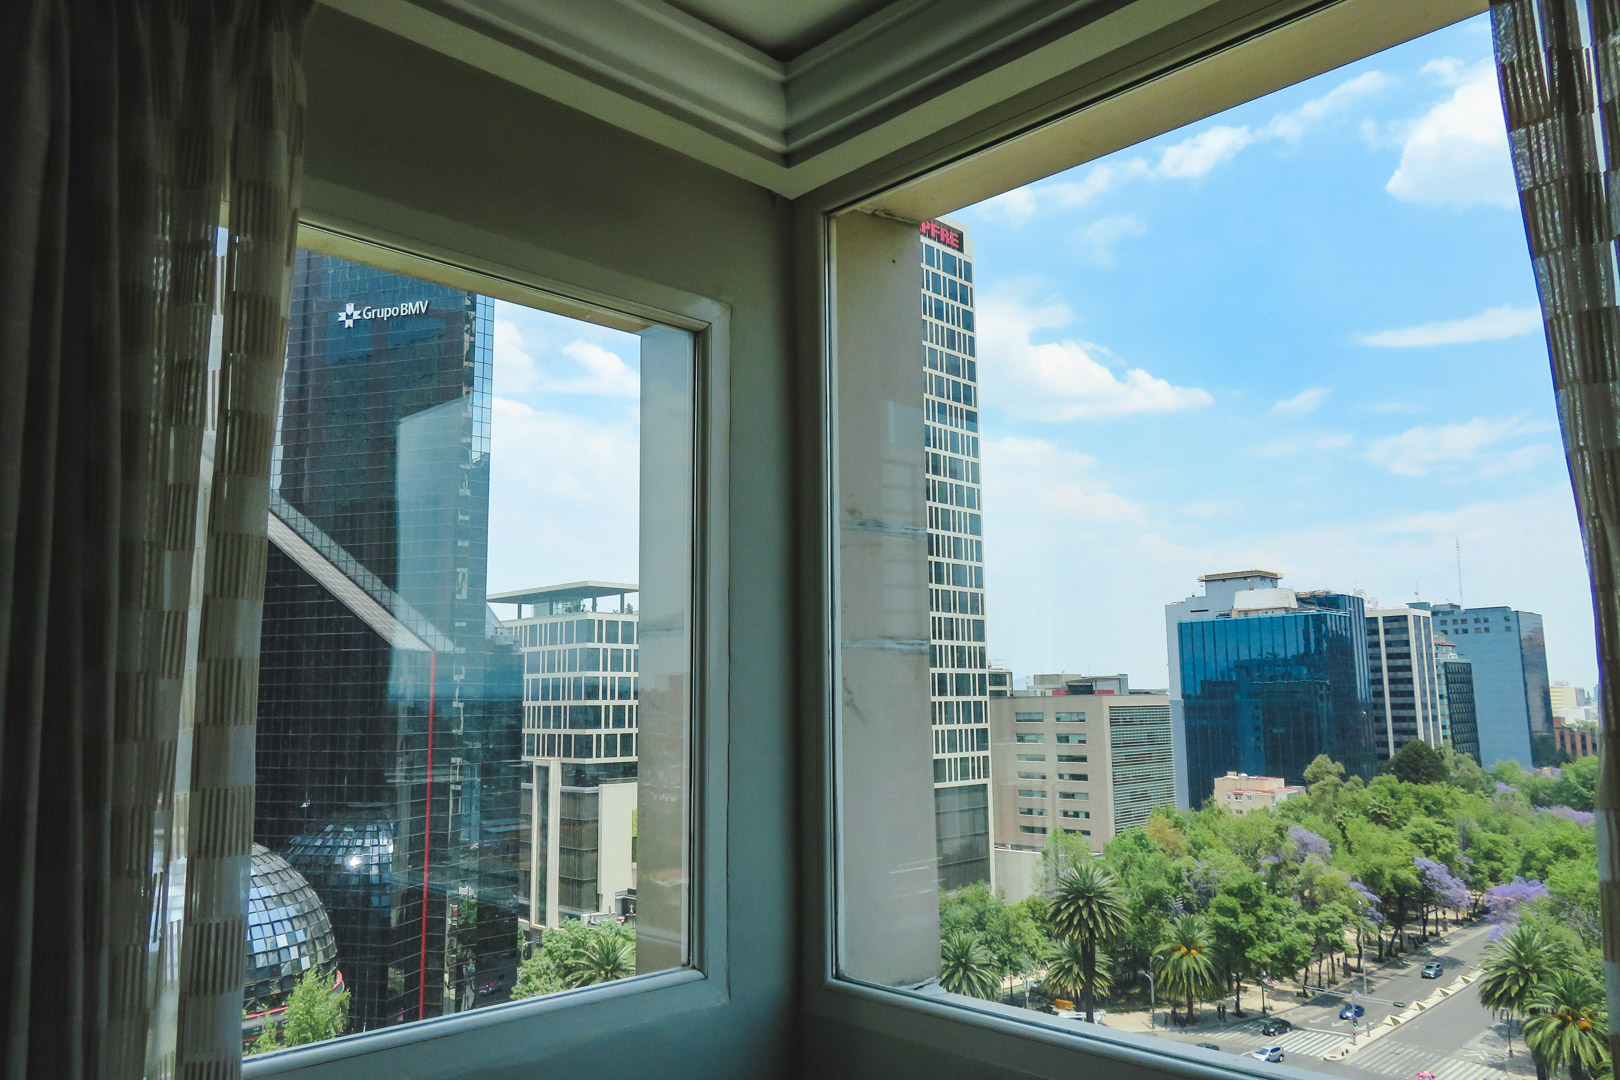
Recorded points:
1220,1012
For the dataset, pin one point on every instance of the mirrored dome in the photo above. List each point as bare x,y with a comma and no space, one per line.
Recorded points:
288,932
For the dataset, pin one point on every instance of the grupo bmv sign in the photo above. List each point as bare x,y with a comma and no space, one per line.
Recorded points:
351,314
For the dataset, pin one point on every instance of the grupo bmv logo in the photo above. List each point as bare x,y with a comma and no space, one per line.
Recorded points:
350,314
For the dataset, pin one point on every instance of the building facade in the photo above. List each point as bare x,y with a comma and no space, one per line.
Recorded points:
1263,679
1455,681
1079,759
1243,794
1401,669
958,664
1511,688
581,662
388,739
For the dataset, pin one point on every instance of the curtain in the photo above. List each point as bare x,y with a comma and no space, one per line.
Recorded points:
134,482
1558,64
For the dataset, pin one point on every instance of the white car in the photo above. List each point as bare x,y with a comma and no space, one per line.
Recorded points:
1268,1053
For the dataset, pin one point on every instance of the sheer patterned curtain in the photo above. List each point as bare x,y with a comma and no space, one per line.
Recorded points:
1558,63
133,493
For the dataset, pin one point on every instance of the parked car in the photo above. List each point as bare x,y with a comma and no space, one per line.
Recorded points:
1352,1011
1268,1053
492,986
1209,1046
1433,970
1275,1026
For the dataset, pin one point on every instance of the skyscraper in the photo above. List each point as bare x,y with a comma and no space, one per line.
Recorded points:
1511,699
1401,667
1262,679
958,664
389,732
1455,681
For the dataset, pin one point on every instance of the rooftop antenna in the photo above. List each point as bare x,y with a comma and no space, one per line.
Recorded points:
1458,541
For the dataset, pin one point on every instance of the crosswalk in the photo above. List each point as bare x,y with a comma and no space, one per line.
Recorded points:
1392,1058
1308,1042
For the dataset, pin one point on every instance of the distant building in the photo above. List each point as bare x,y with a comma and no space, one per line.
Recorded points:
1576,740
1455,681
1090,757
1000,682
1512,697
1263,679
1573,704
1401,669
580,693
1241,793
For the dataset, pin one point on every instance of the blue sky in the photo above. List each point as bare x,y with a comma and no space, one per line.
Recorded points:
1301,335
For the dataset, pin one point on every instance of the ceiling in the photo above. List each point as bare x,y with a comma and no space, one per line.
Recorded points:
781,29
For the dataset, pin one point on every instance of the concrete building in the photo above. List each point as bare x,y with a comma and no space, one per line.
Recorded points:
1512,696
1241,793
1263,679
1000,682
958,664
581,664
1455,682
1401,669
1576,739
1091,757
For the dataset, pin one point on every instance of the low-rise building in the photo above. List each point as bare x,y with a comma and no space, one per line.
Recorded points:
1242,793
1575,738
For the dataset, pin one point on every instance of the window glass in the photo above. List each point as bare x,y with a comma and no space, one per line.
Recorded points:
1257,492
454,503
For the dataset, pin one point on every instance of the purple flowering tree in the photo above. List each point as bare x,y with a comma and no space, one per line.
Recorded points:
1503,789
1367,904
1580,817
1441,890
1308,844
1504,904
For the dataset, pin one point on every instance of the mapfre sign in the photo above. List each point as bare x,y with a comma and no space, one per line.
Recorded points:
942,234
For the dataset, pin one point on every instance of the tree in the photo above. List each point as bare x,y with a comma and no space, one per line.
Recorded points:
1073,973
1322,768
965,967
535,978
1010,933
1245,922
1570,1028
266,1040
1416,763
1089,908
1515,967
1185,960
316,1010
606,956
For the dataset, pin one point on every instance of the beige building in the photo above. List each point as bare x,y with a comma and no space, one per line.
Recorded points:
1089,756
1241,793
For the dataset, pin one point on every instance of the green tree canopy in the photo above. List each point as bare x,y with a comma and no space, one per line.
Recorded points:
316,1011
965,967
1416,763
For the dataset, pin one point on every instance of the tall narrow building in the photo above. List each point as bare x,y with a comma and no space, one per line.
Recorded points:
958,664
1512,702
1401,665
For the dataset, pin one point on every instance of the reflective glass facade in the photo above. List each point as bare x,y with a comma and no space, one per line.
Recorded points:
1512,700
389,733
958,664
1265,694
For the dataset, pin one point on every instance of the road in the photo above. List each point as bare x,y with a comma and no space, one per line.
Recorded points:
1455,1039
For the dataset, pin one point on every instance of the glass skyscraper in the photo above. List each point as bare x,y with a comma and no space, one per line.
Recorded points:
1512,694
389,729
958,666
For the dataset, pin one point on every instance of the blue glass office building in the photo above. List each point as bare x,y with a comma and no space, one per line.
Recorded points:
1512,700
1264,694
390,699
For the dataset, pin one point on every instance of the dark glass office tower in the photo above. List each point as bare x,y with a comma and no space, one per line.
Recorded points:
1265,693
390,698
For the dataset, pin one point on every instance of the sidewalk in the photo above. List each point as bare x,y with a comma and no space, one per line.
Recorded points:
1282,1001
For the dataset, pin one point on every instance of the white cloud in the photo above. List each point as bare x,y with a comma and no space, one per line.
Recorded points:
1456,154
1493,324
1426,448
1297,123
605,373
516,371
1063,481
1305,442
1098,239
1195,156
1306,401
1065,379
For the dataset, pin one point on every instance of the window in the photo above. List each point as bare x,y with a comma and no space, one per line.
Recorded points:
1071,737
1032,811
1072,776
1074,794
1029,717
420,842
1071,718
1074,813
1071,758
1032,757
1033,737
1038,830
1031,793
1023,775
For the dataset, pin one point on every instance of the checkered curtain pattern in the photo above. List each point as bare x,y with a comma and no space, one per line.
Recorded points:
132,542
1558,64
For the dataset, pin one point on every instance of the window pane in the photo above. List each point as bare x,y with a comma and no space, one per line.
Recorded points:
454,512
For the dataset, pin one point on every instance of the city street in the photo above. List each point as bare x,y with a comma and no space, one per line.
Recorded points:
1455,1039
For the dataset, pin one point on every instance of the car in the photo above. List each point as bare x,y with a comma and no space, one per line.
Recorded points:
1268,1053
1433,970
1209,1046
491,987
1352,1011
1275,1026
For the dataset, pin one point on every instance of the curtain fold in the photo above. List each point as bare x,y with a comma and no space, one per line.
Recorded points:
128,651
1558,65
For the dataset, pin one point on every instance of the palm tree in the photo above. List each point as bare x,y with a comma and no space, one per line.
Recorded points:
1089,908
1570,1027
1515,966
605,956
1185,960
966,967
1071,973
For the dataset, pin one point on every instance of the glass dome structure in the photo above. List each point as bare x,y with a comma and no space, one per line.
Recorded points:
346,854
288,932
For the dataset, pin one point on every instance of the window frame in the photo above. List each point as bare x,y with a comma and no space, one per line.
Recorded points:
531,1030
1143,88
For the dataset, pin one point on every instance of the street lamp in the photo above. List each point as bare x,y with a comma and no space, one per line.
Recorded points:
1153,1003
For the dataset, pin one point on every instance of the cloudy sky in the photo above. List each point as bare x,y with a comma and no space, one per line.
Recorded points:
1302,336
